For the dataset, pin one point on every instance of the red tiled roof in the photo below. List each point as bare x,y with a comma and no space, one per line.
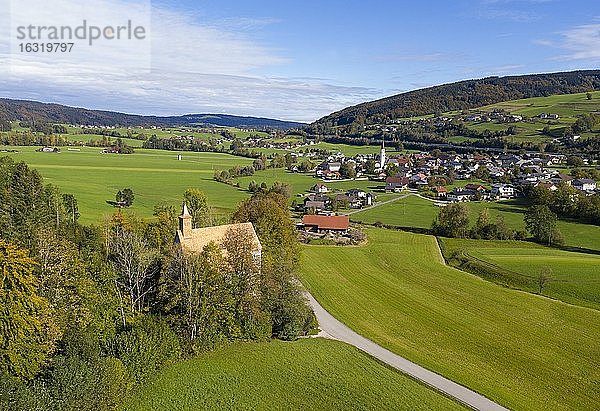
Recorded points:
324,222
397,180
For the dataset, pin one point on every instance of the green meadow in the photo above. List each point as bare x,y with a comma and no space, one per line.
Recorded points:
519,349
418,212
574,277
310,374
154,176
567,106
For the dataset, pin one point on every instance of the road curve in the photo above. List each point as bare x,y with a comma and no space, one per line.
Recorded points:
332,328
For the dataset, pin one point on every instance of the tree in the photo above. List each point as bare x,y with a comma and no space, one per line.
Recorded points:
544,277
136,265
452,221
574,161
391,170
348,170
370,166
253,187
244,271
199,297
128,197
197,206
27,334
281,296
124,197
70,203
540,221
589,95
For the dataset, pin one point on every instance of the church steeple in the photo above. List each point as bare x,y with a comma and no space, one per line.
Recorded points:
382,155
185,222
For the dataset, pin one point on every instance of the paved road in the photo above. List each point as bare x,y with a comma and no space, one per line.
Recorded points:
332,328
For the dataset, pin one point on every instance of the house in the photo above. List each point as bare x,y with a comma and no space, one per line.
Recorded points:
547,185
584,184
459,196
475,187
326,224
328,166
363,196
351,200
193,240
440,191
319,188
562,178
396,183
503,191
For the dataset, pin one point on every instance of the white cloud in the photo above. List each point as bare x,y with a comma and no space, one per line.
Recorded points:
582,43
184,66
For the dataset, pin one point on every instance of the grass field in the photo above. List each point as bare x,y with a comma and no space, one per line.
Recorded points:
575,276
301,183
418,212
567,106
313,374
154,176
522,350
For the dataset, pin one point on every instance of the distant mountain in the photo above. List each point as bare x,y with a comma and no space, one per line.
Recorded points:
462,95
24,110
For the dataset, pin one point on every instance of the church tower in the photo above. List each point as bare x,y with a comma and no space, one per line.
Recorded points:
185,222
382,155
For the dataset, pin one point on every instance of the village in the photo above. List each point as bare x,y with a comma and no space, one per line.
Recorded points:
441,177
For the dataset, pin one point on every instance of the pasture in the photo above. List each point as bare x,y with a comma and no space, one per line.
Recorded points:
519,349
155,177
575,277
567,106
307,374
418,212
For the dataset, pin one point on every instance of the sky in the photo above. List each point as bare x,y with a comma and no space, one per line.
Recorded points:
292,60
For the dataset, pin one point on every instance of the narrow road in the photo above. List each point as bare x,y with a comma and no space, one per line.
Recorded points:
380,204
332,328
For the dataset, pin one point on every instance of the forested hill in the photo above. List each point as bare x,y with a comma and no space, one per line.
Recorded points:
24,110
463,95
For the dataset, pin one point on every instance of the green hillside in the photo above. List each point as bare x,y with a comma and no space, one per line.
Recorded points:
521,350
463,95
313,374
573,277
418,212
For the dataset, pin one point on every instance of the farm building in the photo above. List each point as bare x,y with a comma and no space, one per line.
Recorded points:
326,224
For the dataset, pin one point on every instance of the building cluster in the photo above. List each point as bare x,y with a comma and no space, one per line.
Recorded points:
320,200
508,174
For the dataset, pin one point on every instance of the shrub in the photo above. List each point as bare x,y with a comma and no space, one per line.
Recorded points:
80,385
147,346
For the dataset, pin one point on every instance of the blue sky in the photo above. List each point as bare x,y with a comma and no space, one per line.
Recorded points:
302,60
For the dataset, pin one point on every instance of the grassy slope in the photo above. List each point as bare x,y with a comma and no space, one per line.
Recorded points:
568,106
307,374
154,176
417,212
575,276
521,350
